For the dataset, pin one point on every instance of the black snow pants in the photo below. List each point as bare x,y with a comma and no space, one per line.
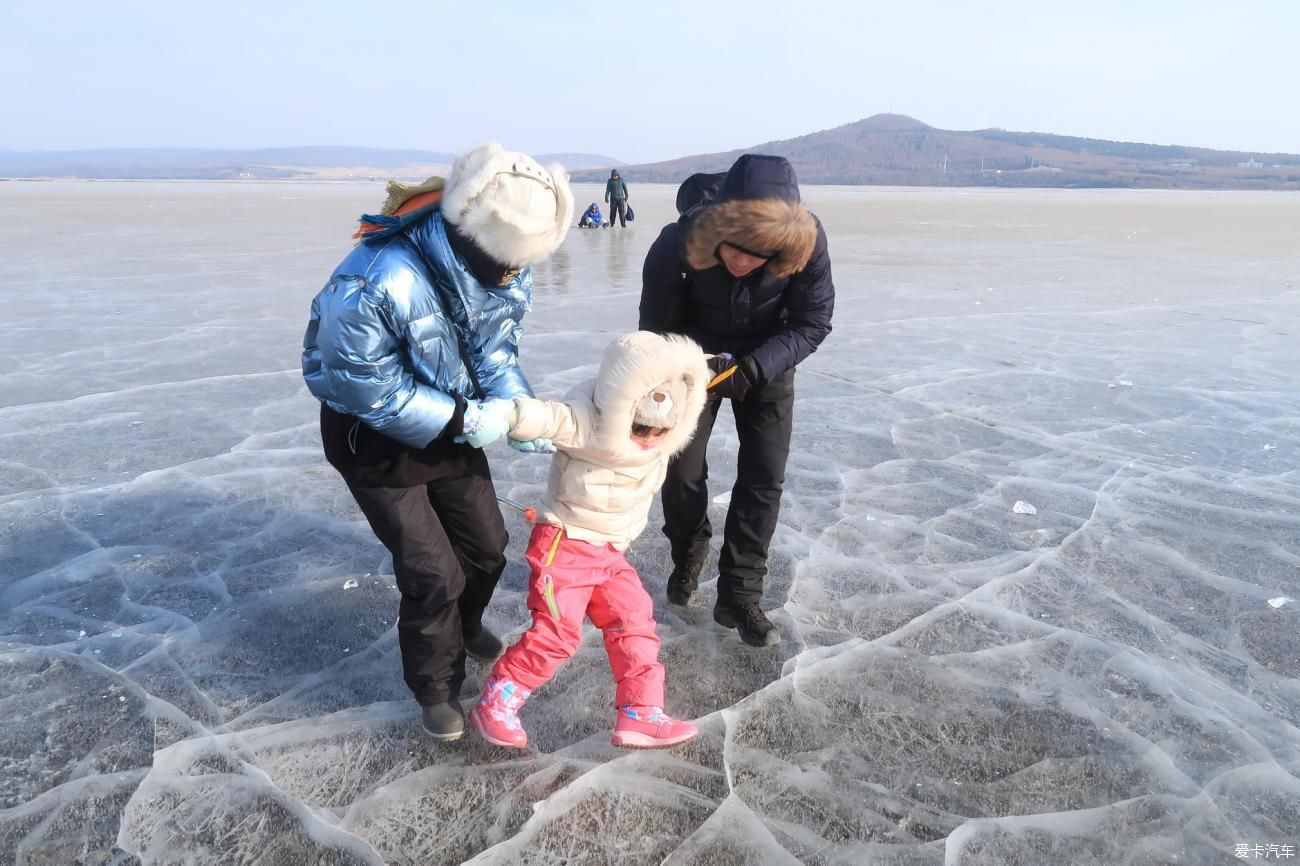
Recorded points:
448,541
763,425
618,210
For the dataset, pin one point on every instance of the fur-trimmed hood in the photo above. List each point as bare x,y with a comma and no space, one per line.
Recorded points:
636,368
757,209
783,233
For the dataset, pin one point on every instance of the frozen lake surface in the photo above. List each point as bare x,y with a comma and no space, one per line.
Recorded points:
1037,571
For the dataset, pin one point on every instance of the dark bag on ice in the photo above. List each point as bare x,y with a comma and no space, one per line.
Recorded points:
630,216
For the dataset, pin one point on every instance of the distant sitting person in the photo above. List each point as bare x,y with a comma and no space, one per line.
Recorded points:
416,327
591,218
616,198
614,436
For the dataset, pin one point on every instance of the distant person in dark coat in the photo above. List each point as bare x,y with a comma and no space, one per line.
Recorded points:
747,275
616,198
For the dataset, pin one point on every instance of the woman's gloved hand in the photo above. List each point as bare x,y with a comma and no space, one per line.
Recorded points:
531,446
486,421
732,378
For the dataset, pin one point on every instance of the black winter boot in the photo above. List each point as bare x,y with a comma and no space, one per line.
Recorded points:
485,646
683,582
443,722
749,621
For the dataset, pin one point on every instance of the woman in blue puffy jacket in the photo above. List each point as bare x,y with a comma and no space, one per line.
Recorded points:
417,326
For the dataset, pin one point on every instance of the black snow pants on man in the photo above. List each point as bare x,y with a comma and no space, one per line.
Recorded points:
439,518
618,211
763,425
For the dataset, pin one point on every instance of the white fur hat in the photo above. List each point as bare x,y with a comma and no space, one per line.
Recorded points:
513,209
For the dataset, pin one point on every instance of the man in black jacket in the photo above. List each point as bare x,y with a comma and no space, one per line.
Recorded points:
748,276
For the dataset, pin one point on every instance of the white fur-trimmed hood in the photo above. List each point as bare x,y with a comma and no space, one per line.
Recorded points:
631,368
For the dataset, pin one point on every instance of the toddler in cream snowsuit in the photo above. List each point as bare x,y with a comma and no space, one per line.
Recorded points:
613,437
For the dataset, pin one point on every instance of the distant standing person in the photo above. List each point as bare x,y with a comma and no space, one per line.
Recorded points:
419,323
616,198
747,275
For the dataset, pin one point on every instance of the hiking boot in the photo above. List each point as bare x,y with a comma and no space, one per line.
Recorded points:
640,727
749,621
496,713
683,582
485,646
444,721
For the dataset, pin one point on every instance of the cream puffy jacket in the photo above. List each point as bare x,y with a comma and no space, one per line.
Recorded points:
602,482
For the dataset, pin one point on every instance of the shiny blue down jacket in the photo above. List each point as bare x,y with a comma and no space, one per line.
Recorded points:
403,325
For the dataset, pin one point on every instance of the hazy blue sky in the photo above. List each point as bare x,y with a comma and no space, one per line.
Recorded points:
640,81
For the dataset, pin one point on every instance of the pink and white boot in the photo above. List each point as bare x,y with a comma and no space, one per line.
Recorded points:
495,714
639,727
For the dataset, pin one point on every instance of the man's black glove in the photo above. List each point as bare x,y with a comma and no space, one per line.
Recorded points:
732,378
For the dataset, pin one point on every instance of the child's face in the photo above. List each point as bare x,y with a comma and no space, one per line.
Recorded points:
657,413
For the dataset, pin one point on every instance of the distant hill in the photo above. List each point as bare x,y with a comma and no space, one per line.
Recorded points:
898,150
884,149
276,163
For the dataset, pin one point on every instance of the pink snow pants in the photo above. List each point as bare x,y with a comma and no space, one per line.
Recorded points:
571,579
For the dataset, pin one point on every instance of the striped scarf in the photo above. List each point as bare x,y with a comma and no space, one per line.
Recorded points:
406,204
